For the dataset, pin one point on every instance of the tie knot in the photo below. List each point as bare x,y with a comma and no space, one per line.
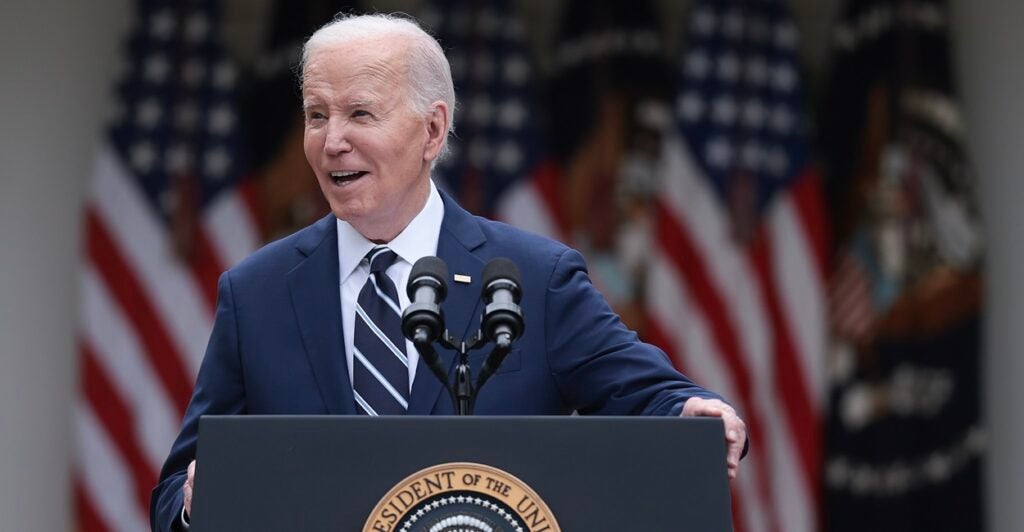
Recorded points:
381,258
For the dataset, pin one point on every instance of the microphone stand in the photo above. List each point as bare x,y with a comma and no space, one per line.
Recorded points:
502,322
463,394
502,346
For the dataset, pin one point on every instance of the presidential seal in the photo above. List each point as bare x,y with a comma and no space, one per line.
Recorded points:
461,497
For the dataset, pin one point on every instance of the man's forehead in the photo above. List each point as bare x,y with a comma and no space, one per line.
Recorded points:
372,55
339,64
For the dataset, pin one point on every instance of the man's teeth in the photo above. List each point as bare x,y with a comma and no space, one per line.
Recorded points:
344,174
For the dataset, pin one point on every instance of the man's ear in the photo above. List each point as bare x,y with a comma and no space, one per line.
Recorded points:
437,129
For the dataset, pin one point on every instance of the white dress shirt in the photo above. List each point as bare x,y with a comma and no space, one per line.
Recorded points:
417,240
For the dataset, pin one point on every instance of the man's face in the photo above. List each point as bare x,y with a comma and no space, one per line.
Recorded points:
370,150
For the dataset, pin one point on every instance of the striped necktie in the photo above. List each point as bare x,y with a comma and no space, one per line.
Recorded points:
380,369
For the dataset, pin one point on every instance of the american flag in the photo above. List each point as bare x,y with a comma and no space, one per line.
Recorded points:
167,212
736,284
496,165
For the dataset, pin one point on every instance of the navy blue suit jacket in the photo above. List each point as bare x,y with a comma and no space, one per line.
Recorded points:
276,345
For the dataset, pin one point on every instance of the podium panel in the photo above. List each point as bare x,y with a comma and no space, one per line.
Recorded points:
313,473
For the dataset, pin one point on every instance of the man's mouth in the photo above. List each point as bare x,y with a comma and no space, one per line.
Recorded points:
342,178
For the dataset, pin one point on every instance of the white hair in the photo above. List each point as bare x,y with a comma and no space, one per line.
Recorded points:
429,76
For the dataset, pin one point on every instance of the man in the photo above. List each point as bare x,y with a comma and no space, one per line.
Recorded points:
378,103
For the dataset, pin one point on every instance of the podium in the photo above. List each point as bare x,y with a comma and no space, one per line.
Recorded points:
413,473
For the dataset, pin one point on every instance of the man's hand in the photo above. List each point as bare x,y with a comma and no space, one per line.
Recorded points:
187,488
735,428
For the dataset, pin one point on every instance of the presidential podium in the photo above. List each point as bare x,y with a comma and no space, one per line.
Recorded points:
444,474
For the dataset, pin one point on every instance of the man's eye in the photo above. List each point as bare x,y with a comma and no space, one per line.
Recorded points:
359,113
315,115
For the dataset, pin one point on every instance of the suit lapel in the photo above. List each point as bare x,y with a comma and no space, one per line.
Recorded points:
316,300
460,235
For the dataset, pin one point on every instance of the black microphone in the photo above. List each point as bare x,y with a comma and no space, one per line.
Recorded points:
502,321
423,320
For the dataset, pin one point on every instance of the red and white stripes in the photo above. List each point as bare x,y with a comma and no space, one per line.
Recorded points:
749,322
146,315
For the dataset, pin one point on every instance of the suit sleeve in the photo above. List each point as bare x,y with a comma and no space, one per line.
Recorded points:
218,390
601,366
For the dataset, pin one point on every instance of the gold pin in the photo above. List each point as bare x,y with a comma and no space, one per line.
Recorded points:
459,278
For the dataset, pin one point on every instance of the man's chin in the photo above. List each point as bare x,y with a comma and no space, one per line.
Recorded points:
359,215
347,200
347,213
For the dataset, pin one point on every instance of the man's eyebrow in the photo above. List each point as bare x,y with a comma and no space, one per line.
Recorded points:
361,101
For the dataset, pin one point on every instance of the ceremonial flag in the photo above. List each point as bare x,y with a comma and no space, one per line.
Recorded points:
168,210
905,439
736,281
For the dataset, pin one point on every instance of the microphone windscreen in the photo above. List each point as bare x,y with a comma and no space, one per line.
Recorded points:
501,268
428,266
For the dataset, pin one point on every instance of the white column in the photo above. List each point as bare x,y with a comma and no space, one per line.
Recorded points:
58,58
989,44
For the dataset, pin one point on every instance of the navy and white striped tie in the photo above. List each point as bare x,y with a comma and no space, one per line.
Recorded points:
380,369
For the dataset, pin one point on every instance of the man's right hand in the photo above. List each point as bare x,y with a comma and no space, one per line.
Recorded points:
187,488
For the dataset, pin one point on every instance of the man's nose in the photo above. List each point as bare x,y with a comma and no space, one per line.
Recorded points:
337,138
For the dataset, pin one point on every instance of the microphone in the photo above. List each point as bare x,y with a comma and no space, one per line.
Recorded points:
423,320
502,321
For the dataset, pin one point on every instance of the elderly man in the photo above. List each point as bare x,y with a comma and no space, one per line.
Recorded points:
307,325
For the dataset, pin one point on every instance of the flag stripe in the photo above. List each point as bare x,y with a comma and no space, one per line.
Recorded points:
691,346
117,349
806,193
524,207
86,516
788,373
689,328
249,195
711,291
147,249
548,186
654,334
104,479
683,256
792,499
749,508
688,342
231,228
801,291
729,275
205,267
116,418
739,519
130,296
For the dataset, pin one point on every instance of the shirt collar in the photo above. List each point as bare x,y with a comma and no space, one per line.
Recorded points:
417,240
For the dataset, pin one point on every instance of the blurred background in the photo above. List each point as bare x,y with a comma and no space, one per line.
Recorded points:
808,204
